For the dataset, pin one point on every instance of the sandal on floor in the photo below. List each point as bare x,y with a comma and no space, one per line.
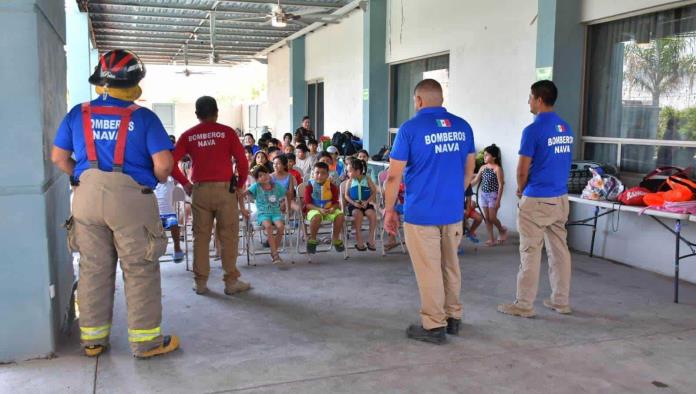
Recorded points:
371,247
491,243
360,248
391,246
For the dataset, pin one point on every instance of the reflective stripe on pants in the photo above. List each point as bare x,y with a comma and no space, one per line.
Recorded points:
93,333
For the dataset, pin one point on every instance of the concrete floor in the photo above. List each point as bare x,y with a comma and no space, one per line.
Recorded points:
338,326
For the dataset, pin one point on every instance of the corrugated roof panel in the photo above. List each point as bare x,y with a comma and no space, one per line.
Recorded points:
159,30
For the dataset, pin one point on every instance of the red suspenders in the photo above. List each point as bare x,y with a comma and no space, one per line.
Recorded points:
119,153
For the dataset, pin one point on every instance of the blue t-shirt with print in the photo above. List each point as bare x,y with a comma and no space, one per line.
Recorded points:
268,201
549,142
146,136
435,145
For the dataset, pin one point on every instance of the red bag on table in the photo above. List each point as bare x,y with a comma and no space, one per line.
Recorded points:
633,196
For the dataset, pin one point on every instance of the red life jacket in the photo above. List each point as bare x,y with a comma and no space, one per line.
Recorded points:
120,151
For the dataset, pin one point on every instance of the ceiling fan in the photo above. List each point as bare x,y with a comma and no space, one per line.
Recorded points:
278,17
186,70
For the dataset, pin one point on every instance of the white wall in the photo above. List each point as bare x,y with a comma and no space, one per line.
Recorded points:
634,240
492,56
185,116
600,9
334,54
277,113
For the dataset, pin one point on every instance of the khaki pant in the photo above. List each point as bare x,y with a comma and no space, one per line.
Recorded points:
212,201
112,219
433,251
542,221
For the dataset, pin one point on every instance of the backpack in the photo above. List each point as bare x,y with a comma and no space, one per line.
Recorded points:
679,190
338,140
348,148
656,180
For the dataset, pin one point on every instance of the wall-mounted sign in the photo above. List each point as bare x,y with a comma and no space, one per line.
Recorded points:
544,73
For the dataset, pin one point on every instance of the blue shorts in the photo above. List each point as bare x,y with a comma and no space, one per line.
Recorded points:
273,217
169,221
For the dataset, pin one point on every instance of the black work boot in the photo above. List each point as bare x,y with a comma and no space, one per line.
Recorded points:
453,326
417,332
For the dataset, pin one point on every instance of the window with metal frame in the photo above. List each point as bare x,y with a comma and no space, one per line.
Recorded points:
640,108
405,77
315,106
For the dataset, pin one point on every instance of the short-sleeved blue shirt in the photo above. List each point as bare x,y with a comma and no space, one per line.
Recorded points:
268,201
146,136
549,142
435,145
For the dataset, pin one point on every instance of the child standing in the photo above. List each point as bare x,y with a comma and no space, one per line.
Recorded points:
321,204
360,195
491,191
268,196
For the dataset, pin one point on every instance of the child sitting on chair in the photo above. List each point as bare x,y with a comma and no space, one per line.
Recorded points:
268,196
470,212
321,204
360,195
325,157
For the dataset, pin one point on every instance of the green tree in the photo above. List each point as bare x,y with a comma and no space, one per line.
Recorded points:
659,66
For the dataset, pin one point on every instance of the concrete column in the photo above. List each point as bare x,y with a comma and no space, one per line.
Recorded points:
375,76
560,56
298,85
37,273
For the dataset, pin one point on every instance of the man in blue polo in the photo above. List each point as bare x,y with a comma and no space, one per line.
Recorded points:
434,153
546,154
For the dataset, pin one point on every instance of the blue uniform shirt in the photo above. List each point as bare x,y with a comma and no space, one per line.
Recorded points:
549,142
434,144
146,136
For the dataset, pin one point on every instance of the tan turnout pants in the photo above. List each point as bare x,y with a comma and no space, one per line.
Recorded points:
542,221
113,219
433,251
212,201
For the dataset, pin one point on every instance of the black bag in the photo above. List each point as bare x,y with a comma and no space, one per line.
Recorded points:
347,148
337,140
656,180
382,155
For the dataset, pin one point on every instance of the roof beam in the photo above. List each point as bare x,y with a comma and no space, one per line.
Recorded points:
180,7
165,15
126,44
294,3
175,47
187,32
170,52
139,38
230,26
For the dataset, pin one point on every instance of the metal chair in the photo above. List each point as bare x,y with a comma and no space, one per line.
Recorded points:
252,228
350,220
304,228
382,178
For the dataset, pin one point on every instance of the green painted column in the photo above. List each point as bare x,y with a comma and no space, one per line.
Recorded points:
37,271
375,76
298,86
560,51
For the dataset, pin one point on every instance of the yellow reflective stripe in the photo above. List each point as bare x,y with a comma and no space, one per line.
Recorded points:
143,335
92,333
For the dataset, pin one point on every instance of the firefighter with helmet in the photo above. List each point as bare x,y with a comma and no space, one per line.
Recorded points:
115,152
